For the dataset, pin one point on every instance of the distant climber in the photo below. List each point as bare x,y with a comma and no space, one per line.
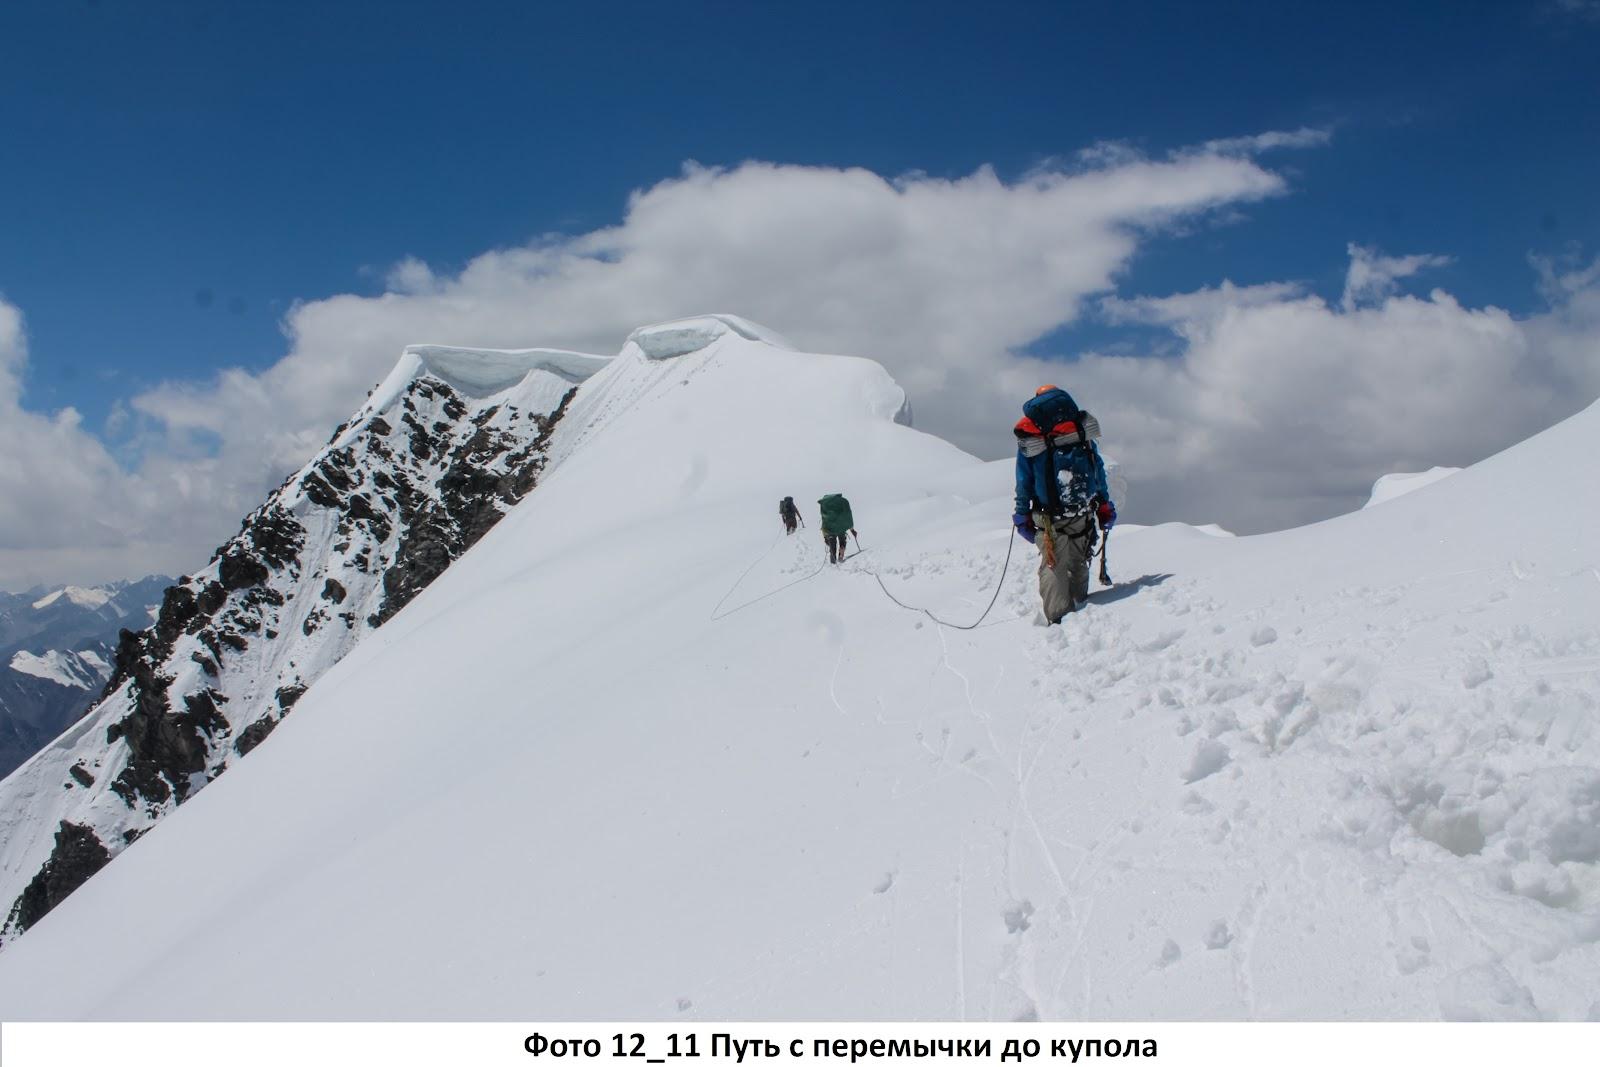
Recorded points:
1061,492
837,524
789,514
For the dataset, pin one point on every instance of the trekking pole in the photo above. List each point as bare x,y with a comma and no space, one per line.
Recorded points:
1105,536
858,541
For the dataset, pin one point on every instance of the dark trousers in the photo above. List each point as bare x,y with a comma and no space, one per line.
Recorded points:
837,543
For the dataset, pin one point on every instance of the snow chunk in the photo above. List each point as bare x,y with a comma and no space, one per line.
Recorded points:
1391,486
679,337
75,594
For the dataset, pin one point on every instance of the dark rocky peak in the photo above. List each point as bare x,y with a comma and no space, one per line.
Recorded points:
400,492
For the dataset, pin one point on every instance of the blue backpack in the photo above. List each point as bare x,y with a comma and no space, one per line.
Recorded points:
1049,409
1059,418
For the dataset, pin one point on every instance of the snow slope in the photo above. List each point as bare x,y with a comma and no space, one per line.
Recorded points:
678,767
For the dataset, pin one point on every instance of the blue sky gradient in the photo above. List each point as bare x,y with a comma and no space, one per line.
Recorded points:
178,174
220,223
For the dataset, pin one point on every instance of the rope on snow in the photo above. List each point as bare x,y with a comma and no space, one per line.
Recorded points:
1001,584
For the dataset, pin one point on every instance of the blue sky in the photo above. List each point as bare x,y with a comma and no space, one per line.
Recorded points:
179,173
186,185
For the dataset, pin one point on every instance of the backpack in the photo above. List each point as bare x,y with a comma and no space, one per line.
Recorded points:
1059,418
836,517
1048,410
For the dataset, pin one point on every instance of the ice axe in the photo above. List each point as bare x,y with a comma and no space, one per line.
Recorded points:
1105,536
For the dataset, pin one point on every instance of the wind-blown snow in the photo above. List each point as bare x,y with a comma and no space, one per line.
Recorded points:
667,340
638,749
1391,486
486,370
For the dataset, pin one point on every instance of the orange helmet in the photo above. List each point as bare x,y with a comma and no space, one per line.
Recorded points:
1043,389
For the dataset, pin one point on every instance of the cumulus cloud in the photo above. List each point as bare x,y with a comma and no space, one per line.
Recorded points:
945,281
1281,408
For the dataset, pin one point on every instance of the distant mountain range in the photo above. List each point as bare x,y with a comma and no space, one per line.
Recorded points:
56,650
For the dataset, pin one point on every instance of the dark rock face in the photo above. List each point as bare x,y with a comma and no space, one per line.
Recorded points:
472,500
78,854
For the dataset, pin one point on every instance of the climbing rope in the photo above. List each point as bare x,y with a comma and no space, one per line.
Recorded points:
716,617
1001,584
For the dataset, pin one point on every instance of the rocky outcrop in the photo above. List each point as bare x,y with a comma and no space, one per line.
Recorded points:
78,854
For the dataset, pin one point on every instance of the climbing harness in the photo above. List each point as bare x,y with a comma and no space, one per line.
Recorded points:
1001,584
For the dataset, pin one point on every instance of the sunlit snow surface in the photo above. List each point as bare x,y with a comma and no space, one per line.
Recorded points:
639,750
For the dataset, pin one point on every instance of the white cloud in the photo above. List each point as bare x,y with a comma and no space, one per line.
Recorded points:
1282,409
1305,137
1372,277
942,280
1202,305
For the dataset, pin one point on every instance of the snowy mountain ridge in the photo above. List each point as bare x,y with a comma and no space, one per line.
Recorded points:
1344,771
75,594
449,441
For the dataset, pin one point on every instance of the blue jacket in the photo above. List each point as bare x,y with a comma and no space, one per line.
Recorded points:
1041,478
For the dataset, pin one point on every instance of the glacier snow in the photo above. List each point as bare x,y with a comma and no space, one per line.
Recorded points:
637,749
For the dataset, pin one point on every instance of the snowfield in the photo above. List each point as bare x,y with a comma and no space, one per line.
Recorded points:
639,755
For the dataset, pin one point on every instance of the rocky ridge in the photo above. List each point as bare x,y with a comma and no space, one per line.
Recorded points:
423,471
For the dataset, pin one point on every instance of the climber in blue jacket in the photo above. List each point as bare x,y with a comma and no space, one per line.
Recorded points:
1061,493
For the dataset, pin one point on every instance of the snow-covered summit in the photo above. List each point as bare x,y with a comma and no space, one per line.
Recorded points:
77,595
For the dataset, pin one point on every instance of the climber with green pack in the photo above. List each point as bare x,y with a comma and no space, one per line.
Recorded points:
837,525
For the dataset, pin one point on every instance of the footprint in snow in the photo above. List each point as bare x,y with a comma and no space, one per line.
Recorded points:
1018,917
884,883
1477,673
1209,758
